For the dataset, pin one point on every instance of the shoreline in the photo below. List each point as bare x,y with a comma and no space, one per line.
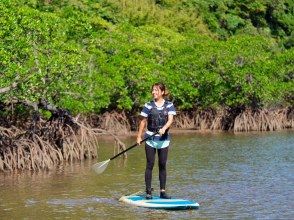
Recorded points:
176,131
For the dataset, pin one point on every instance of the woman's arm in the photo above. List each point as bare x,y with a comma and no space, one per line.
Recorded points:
142,126
167,125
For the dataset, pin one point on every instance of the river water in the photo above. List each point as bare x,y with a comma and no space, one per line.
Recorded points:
231,176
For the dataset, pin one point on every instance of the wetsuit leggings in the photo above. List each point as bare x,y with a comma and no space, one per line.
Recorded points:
150,158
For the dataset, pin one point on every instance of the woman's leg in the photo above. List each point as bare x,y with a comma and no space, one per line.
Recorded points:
150,158
162,159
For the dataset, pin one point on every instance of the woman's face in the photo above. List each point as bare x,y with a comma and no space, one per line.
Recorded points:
157,93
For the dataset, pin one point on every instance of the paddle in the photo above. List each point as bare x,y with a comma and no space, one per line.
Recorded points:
101,166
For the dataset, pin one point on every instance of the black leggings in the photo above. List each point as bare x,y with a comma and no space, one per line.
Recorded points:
150,158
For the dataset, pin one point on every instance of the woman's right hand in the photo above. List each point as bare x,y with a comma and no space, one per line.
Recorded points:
139,140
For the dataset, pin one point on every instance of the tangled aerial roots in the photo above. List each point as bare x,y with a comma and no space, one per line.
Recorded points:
114,122
236,119
204,120
199,120
27,142
264,120
49,146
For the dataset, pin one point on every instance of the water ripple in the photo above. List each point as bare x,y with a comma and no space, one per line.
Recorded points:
80,201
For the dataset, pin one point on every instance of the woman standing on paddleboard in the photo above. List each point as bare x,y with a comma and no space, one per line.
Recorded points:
158,116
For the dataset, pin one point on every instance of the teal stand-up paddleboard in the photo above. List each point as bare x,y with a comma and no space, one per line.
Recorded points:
158,203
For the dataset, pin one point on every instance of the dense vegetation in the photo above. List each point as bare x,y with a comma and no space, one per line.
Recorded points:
96,55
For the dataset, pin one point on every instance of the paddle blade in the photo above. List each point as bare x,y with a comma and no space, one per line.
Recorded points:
100,167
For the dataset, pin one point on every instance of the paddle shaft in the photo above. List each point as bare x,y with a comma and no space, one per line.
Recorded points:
132,146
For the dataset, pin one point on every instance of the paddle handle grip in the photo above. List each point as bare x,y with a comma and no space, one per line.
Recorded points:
132,146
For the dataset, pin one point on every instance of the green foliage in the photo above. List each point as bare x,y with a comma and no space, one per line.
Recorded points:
265,17
89,56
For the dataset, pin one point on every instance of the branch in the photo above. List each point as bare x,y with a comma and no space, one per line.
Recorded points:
8,88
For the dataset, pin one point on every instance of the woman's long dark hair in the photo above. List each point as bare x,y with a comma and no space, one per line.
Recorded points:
162,87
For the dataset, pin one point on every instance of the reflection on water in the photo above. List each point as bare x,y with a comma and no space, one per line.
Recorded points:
246,175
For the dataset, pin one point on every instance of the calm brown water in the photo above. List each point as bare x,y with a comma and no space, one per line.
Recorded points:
231,176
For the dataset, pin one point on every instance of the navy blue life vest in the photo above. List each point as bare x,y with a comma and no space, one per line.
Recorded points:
157,118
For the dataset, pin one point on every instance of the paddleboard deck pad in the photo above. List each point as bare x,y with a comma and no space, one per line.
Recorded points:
157,203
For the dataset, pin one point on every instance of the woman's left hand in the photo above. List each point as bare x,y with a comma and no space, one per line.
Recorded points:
161,131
